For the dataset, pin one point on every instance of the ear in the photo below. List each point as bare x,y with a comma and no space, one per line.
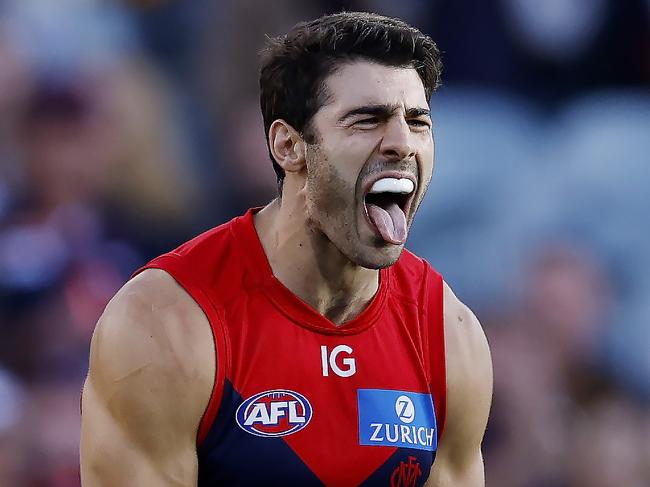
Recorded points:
287,146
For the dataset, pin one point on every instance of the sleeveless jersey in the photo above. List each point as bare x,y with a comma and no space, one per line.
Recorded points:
299,401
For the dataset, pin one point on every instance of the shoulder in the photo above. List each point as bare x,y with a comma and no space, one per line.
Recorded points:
469,393
153,315
469,371
152,352
148,384
461,323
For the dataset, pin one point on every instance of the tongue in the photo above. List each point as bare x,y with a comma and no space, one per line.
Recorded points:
390,222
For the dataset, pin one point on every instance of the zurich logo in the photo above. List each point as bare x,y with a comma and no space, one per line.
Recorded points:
278,412
402,419
405,409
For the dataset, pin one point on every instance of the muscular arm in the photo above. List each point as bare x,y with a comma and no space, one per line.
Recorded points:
150,377
459,462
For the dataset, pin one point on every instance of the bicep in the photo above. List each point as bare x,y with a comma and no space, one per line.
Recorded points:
468,473
148,384
115,453
459,461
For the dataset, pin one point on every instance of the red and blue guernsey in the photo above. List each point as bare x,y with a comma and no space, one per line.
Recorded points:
299,401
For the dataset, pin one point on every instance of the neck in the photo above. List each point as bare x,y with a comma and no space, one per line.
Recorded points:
307,263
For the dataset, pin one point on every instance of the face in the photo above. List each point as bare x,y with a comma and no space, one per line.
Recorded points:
373,144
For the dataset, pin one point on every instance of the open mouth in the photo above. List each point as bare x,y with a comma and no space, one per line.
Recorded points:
387,202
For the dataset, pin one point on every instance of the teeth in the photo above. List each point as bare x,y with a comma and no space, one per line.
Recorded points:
393,185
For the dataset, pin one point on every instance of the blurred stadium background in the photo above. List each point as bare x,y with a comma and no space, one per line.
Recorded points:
126,127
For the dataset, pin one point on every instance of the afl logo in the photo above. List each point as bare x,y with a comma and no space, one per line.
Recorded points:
279,412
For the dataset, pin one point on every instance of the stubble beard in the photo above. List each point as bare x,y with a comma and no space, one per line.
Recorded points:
332,214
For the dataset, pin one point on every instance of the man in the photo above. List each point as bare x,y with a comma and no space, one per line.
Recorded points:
299,344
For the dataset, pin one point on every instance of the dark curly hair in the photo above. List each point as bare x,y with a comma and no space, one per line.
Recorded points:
294,66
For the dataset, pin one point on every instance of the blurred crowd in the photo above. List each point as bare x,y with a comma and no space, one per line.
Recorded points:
128,126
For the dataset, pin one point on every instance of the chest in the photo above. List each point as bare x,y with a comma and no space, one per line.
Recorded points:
303,406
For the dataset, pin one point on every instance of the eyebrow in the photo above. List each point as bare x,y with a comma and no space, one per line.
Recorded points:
384,111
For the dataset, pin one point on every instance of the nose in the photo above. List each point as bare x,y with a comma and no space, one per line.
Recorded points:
397,143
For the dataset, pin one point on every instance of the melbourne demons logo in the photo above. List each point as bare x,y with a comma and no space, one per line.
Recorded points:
279,412
407,474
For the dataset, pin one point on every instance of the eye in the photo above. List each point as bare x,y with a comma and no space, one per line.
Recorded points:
416,122
366,122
